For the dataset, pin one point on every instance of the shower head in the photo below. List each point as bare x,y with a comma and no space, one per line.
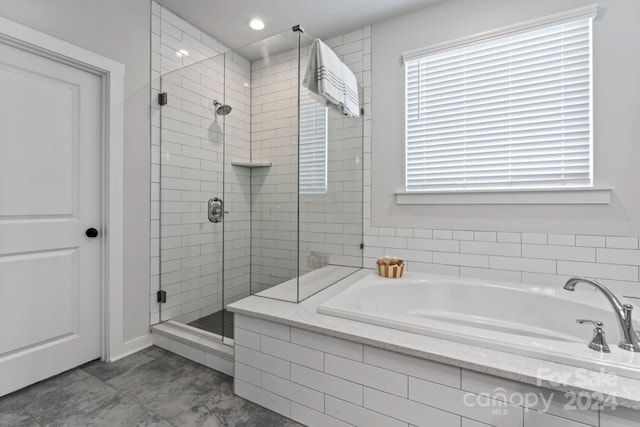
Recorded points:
221,109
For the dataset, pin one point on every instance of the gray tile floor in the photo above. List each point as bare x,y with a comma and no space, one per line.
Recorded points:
149,388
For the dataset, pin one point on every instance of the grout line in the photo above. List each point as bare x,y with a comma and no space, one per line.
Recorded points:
32,416
118,392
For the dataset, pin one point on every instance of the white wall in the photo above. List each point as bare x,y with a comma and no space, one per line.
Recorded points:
117,29
616,112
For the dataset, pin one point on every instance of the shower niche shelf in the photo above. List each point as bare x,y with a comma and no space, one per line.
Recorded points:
251,165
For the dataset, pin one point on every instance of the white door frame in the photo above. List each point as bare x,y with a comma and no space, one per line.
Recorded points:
112,161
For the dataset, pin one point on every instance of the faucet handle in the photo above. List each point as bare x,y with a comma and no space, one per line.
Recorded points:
596,323
598,341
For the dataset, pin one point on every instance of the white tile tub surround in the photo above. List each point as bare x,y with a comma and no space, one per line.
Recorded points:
351,384
372,372
538,259
191,264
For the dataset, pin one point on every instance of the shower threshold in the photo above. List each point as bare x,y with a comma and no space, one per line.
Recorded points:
195,344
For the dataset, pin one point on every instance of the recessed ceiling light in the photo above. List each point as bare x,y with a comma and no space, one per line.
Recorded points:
256,24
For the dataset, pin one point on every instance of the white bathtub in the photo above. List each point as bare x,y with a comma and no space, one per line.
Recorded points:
531,321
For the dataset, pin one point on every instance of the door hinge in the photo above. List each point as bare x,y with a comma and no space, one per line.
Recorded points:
361,245
162,98
161,297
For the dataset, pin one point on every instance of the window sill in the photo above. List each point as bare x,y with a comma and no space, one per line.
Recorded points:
547,196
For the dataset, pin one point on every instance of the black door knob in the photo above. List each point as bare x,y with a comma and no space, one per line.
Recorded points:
91,232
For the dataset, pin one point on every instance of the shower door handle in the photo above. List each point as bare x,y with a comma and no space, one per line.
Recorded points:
215,210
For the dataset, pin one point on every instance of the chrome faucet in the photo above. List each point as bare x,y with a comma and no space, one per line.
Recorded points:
629,337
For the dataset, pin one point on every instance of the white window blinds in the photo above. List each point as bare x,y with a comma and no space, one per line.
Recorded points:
510,112
313,145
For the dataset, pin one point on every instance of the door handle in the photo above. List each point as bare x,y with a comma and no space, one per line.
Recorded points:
91,232
215,210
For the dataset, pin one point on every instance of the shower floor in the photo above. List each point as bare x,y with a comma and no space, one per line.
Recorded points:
214,323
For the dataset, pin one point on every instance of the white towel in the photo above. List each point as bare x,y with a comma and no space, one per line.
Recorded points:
324,74
351,104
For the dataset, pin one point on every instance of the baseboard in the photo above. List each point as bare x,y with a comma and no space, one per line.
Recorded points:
134,346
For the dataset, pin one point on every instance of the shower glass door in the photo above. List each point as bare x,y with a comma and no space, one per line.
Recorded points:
192,199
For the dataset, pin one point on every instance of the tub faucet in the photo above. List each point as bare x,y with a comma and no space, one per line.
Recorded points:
629,340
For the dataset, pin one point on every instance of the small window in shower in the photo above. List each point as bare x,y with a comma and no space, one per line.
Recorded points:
313,145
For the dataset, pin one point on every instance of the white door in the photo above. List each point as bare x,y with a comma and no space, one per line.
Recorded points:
50,132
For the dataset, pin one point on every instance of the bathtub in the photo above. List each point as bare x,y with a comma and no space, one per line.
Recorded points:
528,320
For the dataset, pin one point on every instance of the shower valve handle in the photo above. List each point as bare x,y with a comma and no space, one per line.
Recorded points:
215,210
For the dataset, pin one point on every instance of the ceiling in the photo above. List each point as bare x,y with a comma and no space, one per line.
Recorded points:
226,20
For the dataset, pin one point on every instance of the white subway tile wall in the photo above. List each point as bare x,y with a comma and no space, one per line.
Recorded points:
274,125
537,259
187,170
330,224
359,385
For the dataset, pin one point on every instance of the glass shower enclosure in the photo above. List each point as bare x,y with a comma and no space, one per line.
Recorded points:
260,188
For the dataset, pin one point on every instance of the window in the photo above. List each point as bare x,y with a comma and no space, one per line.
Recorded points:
511,111
313,145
